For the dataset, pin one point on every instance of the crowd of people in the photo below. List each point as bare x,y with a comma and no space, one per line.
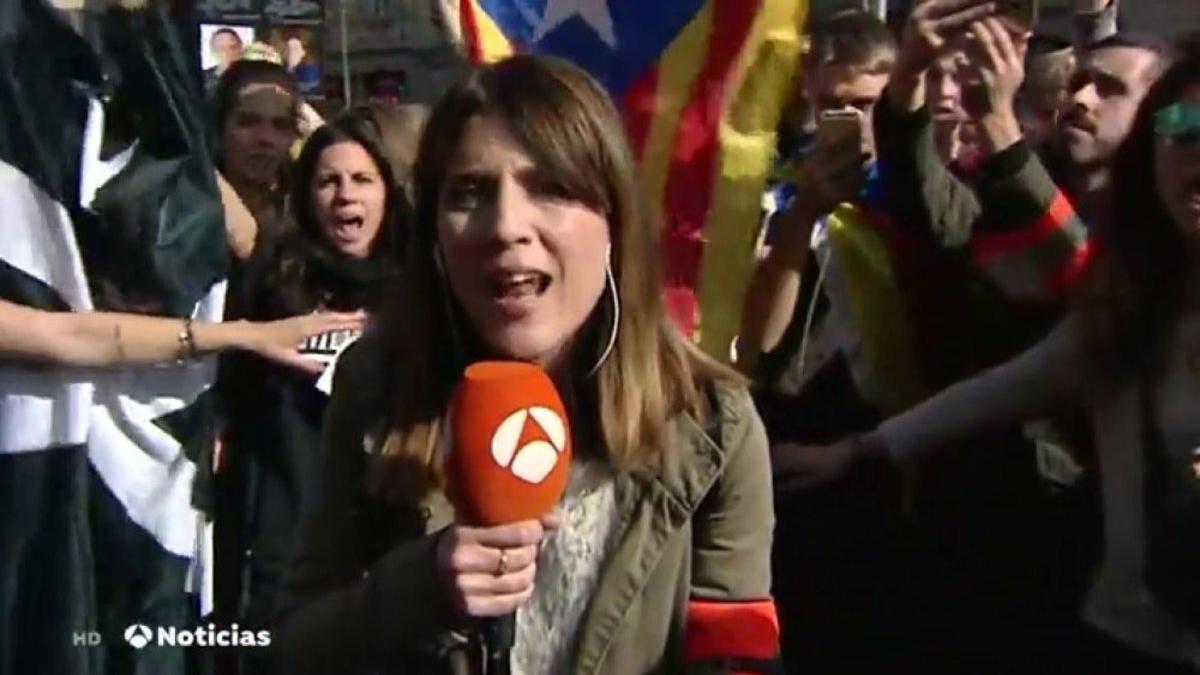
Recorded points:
960,435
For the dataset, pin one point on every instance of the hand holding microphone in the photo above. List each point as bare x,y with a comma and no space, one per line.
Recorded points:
507,469
489,571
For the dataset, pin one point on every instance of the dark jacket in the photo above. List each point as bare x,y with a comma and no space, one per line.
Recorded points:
274,415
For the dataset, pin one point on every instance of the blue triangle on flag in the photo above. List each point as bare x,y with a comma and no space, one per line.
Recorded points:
642,30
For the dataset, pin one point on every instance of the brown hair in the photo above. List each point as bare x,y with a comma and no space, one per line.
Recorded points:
568,125
853,38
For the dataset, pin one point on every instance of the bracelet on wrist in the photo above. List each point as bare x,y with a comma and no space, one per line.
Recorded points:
187,342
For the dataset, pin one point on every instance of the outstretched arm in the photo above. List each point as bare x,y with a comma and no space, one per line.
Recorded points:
1030,385
106,339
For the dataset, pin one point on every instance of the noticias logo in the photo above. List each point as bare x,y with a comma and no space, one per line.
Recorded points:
139,636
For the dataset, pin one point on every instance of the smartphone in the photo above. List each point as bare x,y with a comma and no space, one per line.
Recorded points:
840,129
1024,12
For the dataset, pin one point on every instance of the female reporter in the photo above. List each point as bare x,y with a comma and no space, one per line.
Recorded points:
529,244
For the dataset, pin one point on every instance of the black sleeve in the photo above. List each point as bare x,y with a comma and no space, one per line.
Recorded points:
341,611
921,189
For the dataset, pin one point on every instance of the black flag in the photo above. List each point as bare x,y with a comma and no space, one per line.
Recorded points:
107,201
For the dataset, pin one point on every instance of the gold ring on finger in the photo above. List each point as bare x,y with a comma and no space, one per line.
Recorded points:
502,565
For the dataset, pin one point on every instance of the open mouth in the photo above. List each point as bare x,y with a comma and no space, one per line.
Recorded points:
347,225
519,285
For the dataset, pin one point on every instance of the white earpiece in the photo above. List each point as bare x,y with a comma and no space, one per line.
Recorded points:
611,282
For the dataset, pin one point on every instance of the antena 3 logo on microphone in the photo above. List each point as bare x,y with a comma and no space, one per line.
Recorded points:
534,460
511,443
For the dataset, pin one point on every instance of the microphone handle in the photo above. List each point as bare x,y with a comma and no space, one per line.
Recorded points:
499,633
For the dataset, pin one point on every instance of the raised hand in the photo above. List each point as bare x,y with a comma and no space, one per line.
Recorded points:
931,28
834,173
997,58
997,62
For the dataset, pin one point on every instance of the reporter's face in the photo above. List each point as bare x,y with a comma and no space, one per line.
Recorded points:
1103,98
524,259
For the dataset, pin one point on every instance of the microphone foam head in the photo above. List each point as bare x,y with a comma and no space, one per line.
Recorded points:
512,444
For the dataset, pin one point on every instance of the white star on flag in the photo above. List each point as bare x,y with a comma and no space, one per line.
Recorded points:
593,12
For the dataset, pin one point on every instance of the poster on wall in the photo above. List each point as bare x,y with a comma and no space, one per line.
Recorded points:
300,47
292,28
220,45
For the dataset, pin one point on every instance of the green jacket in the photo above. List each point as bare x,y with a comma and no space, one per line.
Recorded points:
364,596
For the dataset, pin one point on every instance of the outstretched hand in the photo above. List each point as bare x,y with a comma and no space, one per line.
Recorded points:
280,340
807,466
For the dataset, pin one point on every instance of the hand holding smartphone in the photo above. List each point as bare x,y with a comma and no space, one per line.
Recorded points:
834,172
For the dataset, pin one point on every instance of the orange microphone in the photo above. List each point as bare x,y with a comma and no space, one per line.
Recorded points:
510,459
511,444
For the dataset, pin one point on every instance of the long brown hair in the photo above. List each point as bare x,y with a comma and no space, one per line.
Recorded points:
569,127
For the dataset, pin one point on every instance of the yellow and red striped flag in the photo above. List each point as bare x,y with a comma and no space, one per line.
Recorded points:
701,84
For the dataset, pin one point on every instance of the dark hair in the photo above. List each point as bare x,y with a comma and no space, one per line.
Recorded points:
1135,40
224,31
1041,44
1135,294
1188,44
305,269
1163,51
853,38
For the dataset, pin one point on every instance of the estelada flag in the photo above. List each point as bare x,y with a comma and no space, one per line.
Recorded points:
701,84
